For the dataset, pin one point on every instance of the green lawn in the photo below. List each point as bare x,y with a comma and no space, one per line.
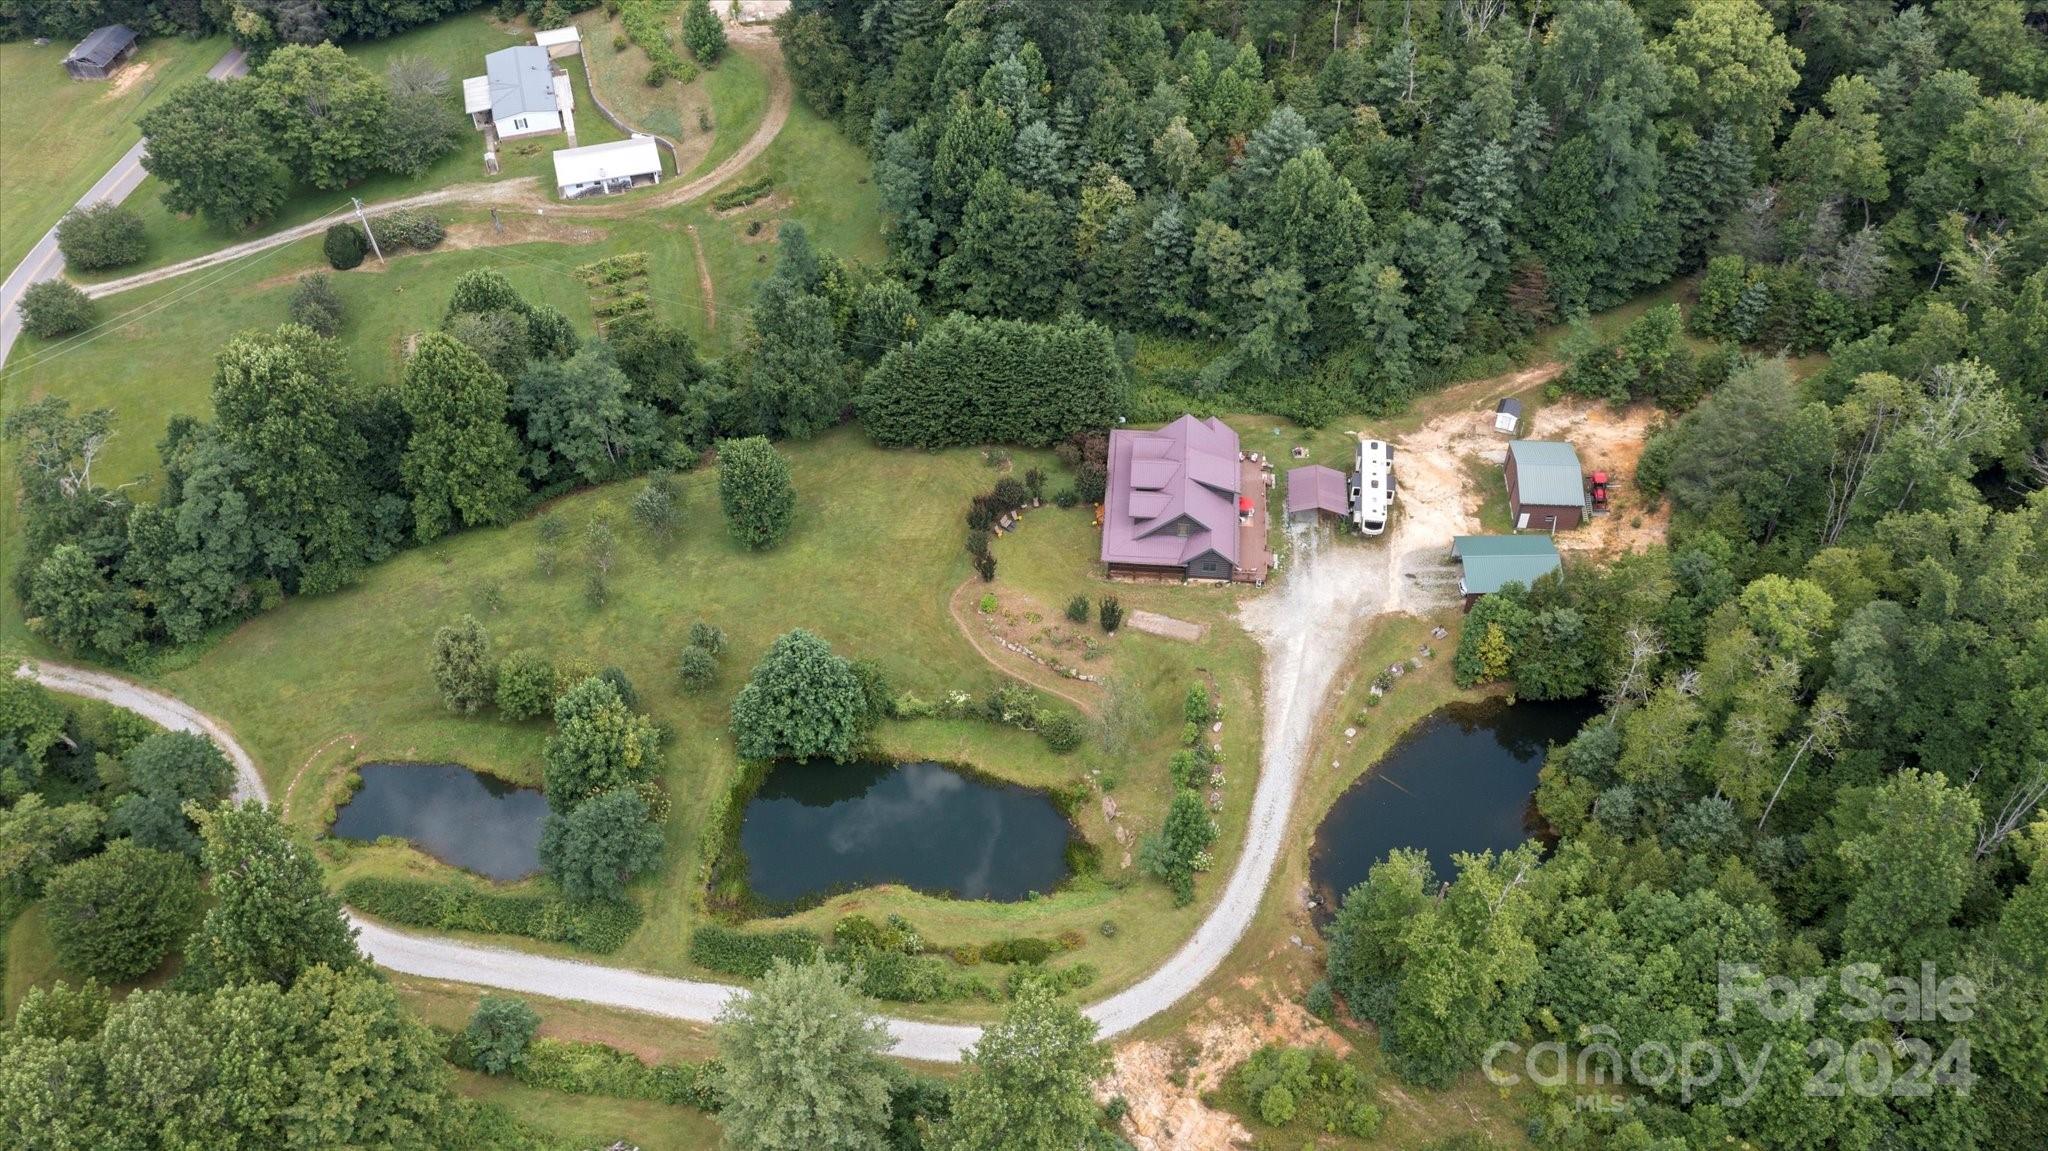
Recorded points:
297,701
582,1122
458,44
59,135
732,96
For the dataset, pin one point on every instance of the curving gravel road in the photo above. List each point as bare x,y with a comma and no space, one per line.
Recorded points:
1305,629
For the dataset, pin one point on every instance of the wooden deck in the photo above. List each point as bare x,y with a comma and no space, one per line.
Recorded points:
1254,561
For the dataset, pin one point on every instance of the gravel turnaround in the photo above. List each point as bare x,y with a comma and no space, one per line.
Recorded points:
1305,643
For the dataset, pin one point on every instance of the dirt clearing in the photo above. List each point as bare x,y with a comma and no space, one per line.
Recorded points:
1153,623
1439,497
1164,1081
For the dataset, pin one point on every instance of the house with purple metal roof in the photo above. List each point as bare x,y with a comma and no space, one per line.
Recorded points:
1179,504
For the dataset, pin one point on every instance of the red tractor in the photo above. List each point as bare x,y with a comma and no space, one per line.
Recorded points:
1599,492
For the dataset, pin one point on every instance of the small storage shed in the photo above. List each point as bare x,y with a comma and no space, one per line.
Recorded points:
1492,561
1546,488
1315,491
1507,416
559,42
602,169
101,54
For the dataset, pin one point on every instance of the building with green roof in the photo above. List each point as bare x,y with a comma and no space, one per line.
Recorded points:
1491,561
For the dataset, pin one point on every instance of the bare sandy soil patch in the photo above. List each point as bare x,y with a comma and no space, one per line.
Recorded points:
127,78
1438,500
1166,626
1164,1081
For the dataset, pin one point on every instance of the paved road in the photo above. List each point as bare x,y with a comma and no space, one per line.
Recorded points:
44,261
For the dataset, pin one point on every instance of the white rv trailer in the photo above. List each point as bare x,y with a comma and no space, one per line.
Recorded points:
1372,490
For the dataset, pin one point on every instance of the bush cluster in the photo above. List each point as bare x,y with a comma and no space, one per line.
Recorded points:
597,926
409,228
744,194
54,308
316,304
598,1069
344,246
749,953
105,235
1283,1085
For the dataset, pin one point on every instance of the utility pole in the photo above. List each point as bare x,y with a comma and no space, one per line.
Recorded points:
367,229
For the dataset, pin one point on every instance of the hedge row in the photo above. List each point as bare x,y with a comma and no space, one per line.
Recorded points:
449,906
743,195
749,954
976,381
597,1069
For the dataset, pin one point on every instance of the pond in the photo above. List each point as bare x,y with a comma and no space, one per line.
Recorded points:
456,815
815,828
1463,779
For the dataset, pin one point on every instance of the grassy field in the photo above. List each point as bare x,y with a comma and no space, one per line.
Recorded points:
731,97
457,44
59,135
308,716
590,1121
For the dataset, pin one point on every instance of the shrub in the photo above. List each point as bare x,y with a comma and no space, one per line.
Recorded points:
1276,1106
344,246
409,228
703,33
316,304
1067,496
750,954
456,905
115,915
1196,706
1320,1002
977,542
755,492
1077,609
1061,730
1111,613
105,235
744,194
462,667
55,308
1019,951
499,1032
708,636
985,567
526,685
654,508
697,668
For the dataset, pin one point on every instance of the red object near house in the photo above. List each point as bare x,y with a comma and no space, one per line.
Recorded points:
1599,489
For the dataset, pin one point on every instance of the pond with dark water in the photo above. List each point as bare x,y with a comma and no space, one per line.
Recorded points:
456,815
812,829
1463,779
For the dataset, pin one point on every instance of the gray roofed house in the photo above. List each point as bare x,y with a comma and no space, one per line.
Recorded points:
101,53
521,82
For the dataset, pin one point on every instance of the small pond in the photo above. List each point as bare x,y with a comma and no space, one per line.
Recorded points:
816,828
456,815
1463,779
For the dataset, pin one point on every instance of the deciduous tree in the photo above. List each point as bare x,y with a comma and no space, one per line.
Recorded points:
800,1064
115,915
803,702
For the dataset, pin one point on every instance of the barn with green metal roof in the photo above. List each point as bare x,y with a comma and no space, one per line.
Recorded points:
1546,488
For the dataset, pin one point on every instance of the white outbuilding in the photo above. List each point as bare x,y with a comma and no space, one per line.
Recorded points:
603,169
559,42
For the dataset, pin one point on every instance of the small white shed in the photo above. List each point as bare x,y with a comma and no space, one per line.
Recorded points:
560,42
603,169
